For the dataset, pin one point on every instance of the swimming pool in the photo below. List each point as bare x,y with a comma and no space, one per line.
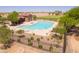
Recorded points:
40,25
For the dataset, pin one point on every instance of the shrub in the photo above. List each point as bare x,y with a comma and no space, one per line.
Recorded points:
40,46
30,43
51,48
38,39
32,38
20,31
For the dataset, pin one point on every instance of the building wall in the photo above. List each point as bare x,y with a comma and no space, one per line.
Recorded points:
38,14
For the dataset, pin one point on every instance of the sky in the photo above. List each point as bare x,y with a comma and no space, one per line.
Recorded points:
34,8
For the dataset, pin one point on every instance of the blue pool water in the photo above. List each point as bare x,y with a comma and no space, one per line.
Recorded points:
37,26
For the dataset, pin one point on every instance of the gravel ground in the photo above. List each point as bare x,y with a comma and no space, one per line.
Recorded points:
20,48
72,45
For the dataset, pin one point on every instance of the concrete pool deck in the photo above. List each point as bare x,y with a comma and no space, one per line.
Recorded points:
44,32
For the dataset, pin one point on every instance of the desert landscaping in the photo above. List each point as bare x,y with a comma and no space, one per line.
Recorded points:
40,32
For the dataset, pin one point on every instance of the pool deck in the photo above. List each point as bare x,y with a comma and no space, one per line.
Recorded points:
45,32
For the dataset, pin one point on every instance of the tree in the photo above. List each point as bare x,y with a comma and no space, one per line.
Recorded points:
34,17
49,13
68,21
73,13
71,18
13,17
57,12
5,36
2,19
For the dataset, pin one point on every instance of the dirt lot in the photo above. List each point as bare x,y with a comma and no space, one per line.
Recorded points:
20,48
72,44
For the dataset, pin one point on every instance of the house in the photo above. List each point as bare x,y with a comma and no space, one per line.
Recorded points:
25,17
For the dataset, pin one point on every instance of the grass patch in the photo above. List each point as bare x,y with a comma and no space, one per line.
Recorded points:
53,18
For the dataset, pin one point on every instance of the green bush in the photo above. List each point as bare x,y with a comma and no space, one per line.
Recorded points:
51,49
20,31
30,43
60,30
53,18
40,46
32,38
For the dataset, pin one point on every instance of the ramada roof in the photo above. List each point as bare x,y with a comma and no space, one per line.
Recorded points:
23,15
